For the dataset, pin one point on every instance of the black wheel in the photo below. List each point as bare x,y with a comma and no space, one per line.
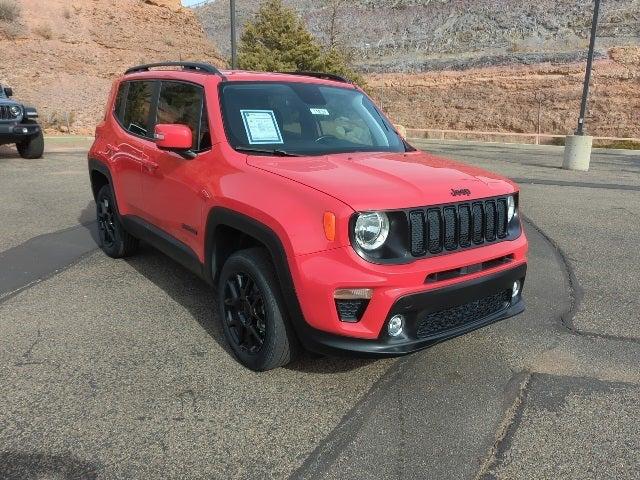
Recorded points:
252,312
115,241
32,147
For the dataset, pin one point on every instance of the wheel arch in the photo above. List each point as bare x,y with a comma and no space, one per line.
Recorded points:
218,246
99,176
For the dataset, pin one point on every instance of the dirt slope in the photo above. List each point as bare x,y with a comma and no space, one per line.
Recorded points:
61,55
504,98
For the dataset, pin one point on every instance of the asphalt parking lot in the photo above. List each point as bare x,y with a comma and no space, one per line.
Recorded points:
117,369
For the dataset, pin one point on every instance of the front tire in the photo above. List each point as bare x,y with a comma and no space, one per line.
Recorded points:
32,147
254,318
115,241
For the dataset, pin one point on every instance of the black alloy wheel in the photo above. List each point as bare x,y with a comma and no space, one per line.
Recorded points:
115,241
254,317
245,313
106,224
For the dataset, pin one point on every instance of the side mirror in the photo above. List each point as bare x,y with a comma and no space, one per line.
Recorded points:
8,91
175,138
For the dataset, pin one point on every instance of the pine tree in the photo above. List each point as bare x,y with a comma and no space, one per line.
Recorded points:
277,40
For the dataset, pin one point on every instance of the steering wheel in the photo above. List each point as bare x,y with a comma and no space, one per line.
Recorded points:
322,138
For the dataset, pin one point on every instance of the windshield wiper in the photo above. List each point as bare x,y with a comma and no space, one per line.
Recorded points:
279,153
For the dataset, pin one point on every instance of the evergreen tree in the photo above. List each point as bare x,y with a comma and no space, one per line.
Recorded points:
277,40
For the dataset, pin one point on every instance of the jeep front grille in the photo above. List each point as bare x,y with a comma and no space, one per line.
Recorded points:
5,113
457,317
448,228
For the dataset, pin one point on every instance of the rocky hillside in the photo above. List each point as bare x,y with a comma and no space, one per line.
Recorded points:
506,99
421,35
62,55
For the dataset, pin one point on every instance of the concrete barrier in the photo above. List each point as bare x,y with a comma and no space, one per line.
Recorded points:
577,152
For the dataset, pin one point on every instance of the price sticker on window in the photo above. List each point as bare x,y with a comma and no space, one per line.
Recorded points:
261,127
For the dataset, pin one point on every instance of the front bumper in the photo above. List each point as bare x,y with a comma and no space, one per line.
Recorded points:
14,132
415,307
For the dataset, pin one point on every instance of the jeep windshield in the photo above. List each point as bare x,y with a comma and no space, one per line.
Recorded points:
304,119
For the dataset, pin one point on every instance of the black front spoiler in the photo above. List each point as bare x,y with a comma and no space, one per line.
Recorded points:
434,300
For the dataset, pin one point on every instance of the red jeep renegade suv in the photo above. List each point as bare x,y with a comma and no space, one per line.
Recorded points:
319,224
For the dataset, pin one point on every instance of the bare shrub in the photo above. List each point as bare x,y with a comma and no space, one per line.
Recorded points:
62,122
9,10
10,30
45,31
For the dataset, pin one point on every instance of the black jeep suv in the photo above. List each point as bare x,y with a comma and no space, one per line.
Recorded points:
18,125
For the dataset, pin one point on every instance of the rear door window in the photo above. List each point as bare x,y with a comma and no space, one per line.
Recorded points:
137,112
183,103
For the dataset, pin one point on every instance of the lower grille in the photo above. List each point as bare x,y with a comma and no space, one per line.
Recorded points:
455,317
351,310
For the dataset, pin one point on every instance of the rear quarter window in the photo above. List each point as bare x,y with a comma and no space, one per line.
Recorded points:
119,104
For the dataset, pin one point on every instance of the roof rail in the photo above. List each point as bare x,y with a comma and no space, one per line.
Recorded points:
321,75
198,67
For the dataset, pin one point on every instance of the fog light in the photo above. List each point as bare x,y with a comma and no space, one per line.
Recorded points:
25,130
395,325
515,290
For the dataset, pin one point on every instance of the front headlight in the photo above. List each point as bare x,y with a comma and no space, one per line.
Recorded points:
511,208
371,230
15,110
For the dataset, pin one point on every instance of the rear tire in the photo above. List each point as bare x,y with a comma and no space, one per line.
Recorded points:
32,147
252,311
115,241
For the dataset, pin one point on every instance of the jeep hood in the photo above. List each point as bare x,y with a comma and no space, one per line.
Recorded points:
387,181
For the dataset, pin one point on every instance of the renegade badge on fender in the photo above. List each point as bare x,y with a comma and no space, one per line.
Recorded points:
295,196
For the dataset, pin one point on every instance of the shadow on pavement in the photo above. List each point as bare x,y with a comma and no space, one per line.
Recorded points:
32,466
198,298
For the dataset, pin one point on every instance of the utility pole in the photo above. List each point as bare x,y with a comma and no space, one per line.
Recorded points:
234,53
587,77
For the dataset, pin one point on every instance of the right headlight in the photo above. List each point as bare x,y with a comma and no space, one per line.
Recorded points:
371,230
511,208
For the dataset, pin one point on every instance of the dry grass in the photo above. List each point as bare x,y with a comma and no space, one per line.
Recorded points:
45,31
61,122
9,11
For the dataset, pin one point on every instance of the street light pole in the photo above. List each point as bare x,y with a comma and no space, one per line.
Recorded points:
234,54
587,77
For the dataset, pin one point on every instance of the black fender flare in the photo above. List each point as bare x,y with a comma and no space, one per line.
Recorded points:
98,166
220,216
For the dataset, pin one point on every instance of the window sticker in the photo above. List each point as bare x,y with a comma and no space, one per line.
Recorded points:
261,127
319,111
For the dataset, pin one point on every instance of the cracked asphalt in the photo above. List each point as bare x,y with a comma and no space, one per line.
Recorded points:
117,369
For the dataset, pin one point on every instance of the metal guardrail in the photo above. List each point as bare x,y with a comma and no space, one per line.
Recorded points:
536,137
